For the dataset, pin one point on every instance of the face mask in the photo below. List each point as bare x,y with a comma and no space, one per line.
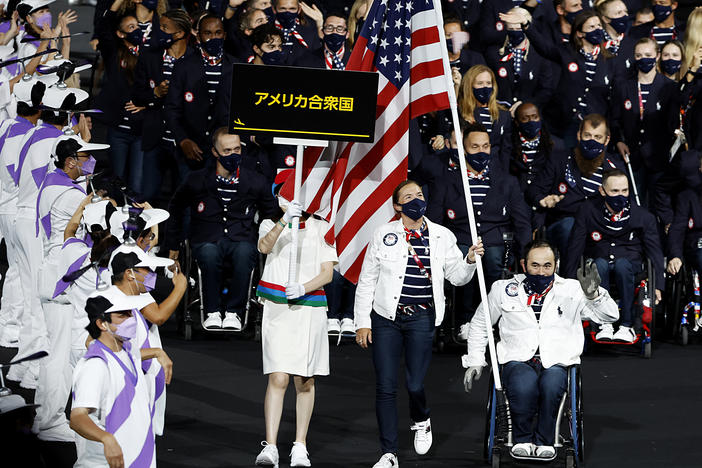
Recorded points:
334,41
150,281
646,64
453,155
616,202
359,27
273,58
482,94
230,162
414,209
164,39
530,129
150,4
286,19
661,12
43,20
478,161
135,37
126,330
595,37
620,24
570,16
590,149
270,14
88,166
538,283
670,66
213,47
515,37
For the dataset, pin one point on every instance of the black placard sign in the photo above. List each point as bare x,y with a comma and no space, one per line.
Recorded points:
305,103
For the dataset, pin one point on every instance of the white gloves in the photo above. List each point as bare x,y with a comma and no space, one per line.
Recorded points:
294,290
473,373
294,211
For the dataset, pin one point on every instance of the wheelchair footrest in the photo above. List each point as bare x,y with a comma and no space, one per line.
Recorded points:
613,342
534,459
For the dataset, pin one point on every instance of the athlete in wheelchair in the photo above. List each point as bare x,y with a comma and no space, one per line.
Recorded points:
539,316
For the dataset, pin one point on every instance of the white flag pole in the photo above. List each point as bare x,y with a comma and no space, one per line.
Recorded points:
466,189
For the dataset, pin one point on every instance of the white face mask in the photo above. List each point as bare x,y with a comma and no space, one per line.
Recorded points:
283,203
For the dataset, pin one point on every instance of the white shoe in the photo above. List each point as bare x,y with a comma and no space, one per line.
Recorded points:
299,455
422,436
268,456
545,451
388,460
214,320
523,449
333,327
606,332
348,330
231,321
463,331
625,334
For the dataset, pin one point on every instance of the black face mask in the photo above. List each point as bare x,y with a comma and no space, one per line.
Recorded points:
538,283
530,129
165,40
213,47
150,4
135,37
620,24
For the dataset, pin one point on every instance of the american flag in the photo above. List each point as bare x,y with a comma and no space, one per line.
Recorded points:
351,184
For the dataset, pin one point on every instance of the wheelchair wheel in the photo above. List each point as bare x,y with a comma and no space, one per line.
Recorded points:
495,458
684,335
188,331
570,461
580,418
647,350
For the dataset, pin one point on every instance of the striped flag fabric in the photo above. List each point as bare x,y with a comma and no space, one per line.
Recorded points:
351,184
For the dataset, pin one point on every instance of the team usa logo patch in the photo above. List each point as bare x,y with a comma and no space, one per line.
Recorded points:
596,236
627,104
390,239
201,207
499,26
290,160
502,72
690,223
512,289
451,214
572,67
562,187
188,96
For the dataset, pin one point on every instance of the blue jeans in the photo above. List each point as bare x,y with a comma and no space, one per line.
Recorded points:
558,234
340,296
126,157
625,279
413,335
210,257
158,161
468,295
533,390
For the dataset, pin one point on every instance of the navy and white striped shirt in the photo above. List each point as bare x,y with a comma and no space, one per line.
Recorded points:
592,182
167,70
662,35
616,221
213,74
479,186
416,289
485,119
590,70
645,90
226,188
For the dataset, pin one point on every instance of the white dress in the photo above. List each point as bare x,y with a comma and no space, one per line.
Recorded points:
294,334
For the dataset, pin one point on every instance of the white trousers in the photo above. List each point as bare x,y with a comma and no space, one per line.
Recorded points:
12,299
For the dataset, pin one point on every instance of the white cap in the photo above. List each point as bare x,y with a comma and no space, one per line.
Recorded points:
35,4
94,213
13,402
144,260
56,95
122,302
23,89
84,147
52,78
152,216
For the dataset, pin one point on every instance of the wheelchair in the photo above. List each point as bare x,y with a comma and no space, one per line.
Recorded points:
194,307
683,308
645,307
569,428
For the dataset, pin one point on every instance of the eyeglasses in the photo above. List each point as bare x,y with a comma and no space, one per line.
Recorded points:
338,29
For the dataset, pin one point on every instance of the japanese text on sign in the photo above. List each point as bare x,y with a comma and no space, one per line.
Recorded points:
331,103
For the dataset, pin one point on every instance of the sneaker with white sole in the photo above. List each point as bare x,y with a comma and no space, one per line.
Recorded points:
231,321
606,332
268,456
523,449
463,331
625,334
545,451
333,327
299,455
388,460
422,436
213,320
348,330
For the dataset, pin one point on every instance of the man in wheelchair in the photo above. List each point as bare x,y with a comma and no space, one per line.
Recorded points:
618,235
540,336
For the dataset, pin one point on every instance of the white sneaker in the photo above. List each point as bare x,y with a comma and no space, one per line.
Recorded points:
545,451
606,332
333,327
422,436
231,321
268,456
214,320
299,455
388,460
523,449
625,334
463,331
348,330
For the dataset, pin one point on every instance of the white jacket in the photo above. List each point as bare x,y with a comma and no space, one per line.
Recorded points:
383,271
558,334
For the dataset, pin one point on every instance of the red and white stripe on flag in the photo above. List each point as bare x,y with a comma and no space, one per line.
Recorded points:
351,184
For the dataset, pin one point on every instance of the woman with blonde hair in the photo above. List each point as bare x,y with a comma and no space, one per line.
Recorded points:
691,87
693,40
357,16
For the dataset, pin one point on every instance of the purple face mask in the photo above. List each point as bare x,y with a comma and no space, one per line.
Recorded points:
88,166
126,330
149,281
43,19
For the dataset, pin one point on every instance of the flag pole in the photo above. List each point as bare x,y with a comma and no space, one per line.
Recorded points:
466,190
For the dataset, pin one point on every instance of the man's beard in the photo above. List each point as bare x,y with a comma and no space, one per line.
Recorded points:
588,167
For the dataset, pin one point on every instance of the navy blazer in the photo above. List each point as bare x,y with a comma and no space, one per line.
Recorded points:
315,58
536,83
637,240
685,232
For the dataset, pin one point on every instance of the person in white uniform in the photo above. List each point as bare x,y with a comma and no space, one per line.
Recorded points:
36,16
540,322
294,329
111,410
